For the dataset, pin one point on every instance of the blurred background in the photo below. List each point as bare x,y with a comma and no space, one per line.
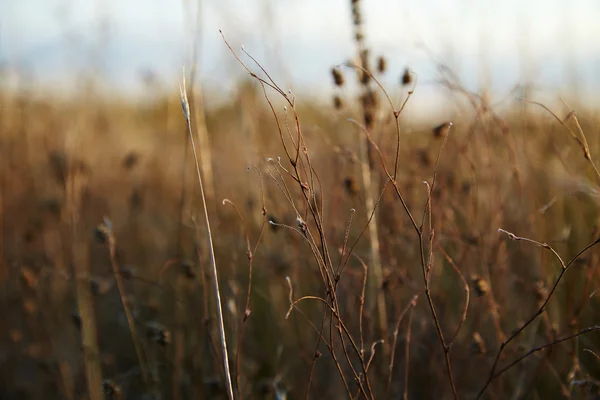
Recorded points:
554,46
105,280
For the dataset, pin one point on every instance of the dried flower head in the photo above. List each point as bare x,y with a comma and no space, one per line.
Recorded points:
359,36
351,186
368,118
481,286
369,99
406,77
381,64
302,225
441,130
338,78
111,389
188,270
158,333
130,160
337,102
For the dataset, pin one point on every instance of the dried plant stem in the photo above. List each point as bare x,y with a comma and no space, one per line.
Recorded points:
369,184
425,265
126,306
580,139
465,286
410,306
203,142
545,346
196,100
564,268
186,112
407,351
376,280
250,251
85,302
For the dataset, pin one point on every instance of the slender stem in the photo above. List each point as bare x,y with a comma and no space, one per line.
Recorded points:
186,111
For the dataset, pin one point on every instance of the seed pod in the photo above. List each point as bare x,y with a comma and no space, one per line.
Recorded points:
111,389
381,64
481,286
441,130
338,78
337,102
406,77
351,186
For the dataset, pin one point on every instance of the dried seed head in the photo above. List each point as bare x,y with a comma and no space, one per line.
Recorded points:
302,225
351,186
338,78
130,160
364,74
337,102
481,287
188,270
359,36
406,77
158,333
441,130
111,389
381,64
356,14
368,118
369,99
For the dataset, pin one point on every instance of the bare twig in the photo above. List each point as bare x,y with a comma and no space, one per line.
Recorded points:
565,267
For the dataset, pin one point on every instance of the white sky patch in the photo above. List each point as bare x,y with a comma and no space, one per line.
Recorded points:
552,43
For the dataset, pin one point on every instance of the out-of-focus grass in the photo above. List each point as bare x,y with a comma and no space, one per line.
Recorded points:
522,173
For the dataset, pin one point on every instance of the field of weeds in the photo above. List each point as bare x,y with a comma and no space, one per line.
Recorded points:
358,254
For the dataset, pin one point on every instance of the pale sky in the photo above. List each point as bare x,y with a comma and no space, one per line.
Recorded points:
550,42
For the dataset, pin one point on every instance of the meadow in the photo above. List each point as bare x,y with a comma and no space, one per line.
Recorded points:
358,254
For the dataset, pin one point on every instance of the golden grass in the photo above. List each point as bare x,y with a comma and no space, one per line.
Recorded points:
65,166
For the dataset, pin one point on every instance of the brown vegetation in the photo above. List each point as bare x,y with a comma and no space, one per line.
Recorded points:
481,283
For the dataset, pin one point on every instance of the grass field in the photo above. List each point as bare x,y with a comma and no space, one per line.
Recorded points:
359,254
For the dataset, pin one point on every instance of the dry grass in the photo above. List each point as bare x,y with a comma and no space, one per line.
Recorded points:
468,312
